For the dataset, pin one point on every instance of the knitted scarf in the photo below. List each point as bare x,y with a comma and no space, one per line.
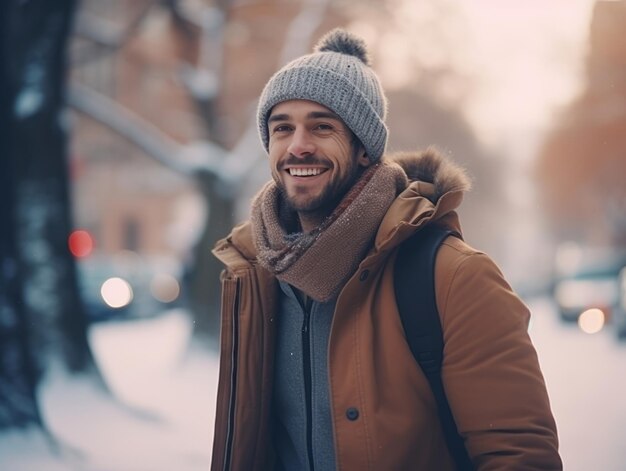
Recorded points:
320,262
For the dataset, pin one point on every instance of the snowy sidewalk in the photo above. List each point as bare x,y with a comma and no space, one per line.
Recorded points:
164,417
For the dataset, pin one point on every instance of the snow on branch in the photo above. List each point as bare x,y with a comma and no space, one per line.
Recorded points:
107,33
230,168
296,43
185,160
301,29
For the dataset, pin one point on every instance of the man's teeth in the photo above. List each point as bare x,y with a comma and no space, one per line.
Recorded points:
304,172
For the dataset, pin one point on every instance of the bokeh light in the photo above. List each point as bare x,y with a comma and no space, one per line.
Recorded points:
164,288
116,292
591,321
80,243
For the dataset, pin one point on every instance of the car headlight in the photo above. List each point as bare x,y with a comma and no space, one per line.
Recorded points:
116,292
591,321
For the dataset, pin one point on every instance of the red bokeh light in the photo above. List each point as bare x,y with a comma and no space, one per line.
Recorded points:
80,243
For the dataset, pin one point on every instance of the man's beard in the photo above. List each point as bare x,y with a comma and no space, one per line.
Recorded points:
323,204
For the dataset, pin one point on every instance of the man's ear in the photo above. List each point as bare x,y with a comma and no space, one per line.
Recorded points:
362,159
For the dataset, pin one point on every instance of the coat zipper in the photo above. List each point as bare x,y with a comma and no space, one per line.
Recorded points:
233,380
306,358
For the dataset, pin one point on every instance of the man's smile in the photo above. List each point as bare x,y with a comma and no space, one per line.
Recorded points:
302,171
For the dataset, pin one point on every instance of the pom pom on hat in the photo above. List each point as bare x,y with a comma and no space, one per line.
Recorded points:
339,40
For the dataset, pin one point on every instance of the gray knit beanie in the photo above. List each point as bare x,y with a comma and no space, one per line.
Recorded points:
338,76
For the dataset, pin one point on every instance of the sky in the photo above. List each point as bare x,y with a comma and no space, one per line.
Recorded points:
531,57
523,60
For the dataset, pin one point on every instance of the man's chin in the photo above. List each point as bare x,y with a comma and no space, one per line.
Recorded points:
321,202
303,206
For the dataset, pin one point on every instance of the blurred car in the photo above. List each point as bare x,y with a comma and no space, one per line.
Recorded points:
126,285
585,291
619,317
587,279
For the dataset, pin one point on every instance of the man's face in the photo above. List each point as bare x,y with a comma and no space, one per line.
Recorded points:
312,158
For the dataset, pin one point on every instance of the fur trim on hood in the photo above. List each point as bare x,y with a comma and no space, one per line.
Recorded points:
432,166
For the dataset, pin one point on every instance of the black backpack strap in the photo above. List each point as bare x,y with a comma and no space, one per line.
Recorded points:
414,273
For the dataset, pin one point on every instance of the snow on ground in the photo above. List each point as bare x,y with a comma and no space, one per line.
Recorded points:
586,379
165,385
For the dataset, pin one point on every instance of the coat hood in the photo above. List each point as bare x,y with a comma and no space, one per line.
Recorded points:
431,166
436,188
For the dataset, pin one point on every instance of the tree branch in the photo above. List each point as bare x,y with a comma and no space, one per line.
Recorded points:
241,160
109,36
301,29
230,168
185,160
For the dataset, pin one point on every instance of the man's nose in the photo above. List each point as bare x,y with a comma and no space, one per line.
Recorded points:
301,143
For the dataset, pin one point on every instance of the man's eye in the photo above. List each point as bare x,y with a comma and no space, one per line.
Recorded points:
324,127
282,128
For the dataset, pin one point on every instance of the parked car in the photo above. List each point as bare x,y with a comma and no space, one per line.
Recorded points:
586,290
587,278
127,285
619,316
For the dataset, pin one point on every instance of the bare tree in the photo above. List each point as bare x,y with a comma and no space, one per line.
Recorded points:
219,171
18,377
41,317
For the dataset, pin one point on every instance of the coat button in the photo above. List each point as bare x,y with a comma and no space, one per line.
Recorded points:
352,413
364,274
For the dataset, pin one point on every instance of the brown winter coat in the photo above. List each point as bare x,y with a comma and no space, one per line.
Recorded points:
491,374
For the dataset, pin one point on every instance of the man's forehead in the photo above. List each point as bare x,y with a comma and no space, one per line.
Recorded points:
301,108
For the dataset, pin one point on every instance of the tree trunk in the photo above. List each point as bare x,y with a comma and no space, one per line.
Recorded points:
205,277
18,404
34,40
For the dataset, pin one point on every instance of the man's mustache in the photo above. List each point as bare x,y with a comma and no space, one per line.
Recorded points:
293,161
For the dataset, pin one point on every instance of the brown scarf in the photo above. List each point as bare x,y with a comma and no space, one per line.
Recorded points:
320,262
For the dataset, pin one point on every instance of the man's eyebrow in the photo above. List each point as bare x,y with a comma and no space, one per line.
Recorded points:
278,117
312,115
323,114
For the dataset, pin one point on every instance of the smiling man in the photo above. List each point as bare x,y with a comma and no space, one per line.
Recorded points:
314,158
315,370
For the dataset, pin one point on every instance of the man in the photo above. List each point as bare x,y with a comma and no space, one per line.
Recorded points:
315,369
